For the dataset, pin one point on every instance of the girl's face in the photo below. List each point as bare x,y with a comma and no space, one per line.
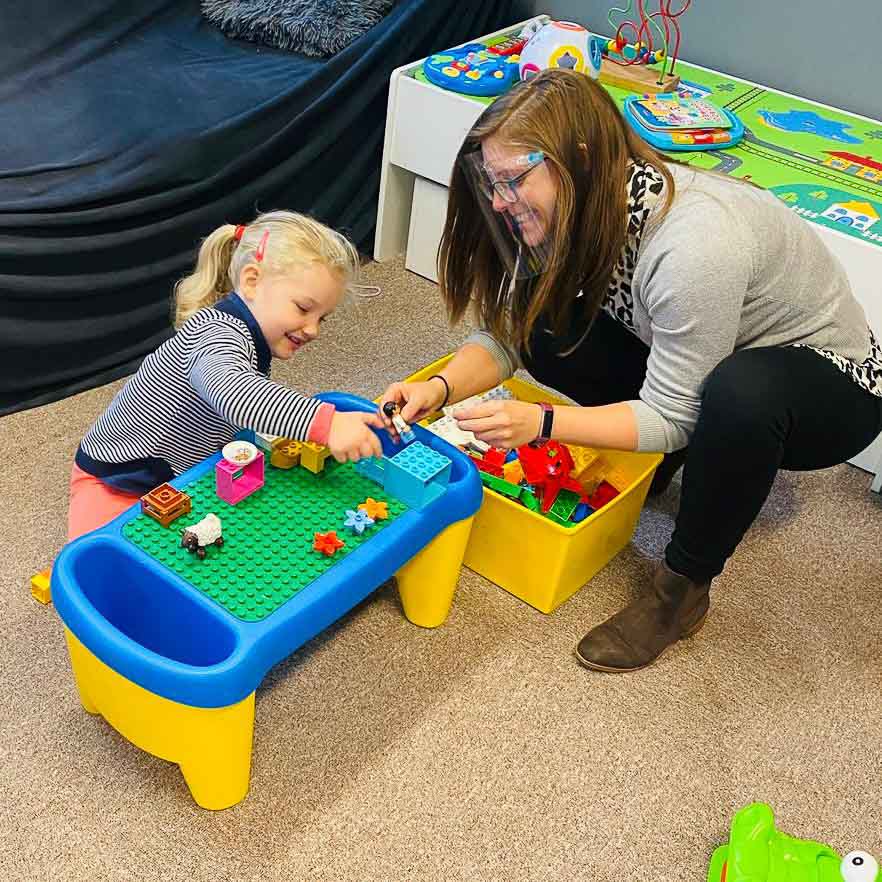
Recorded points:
535,193
289,307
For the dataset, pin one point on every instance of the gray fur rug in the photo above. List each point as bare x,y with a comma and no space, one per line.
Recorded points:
314,27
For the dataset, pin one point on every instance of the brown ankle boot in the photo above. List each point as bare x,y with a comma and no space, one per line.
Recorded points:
673,608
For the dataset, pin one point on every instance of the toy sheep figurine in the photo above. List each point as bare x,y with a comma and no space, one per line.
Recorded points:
198,536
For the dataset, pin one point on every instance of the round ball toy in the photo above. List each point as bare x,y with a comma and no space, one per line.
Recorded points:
561,44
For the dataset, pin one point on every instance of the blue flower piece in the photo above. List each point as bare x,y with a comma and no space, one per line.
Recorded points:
357,521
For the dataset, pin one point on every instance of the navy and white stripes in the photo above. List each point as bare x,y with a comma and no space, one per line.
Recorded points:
189,398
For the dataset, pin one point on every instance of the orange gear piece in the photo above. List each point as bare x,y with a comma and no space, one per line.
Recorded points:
327,543
375,509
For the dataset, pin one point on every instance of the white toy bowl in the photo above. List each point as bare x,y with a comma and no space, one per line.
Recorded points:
239,453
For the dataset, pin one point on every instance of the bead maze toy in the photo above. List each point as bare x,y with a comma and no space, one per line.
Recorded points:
757,852
170,649
656,39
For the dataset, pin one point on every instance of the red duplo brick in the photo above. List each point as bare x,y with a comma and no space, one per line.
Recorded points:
484,466
602,495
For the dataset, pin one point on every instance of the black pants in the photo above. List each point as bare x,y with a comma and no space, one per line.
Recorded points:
761,410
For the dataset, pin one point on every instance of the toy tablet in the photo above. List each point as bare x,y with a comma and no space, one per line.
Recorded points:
474,69
669,111
685,139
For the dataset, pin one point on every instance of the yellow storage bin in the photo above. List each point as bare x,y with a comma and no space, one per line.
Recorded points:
537,560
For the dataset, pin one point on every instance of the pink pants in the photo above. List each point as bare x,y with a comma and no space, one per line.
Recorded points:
93,503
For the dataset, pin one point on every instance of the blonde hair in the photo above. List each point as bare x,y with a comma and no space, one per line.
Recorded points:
588,145
291,241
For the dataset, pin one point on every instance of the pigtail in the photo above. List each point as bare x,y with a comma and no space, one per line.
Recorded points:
210,280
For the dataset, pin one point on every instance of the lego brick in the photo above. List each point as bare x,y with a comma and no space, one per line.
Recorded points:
485,467
357,520
497,393
40,586
285,453
512,491
376,510
233,482
423,463
564,505
313,456
267,557
165,504
372,468
603,495
445,427
582,511
479,447
416,475
592,474
265,442
496,457
513,472
327,543
583,457
528,498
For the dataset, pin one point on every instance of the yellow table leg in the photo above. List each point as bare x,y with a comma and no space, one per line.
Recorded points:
427,582
212,745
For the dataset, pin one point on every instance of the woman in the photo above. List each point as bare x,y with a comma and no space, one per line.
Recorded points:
683,311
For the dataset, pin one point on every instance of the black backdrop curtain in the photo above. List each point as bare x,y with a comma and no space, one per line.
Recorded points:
130,130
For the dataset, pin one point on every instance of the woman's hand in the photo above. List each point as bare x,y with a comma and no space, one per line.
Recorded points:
416,400
351,439
505,424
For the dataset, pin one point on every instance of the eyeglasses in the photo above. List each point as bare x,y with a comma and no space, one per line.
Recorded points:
506,188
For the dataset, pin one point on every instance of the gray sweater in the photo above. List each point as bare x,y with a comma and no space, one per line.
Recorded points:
729,267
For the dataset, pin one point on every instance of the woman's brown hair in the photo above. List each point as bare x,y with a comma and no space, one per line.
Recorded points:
588,147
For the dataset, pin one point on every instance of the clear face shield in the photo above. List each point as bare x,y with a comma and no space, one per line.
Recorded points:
517,194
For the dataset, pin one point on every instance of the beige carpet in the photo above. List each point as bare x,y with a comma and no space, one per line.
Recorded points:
480,750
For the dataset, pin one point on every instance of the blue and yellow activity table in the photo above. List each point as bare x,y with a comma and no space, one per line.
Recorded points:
170,649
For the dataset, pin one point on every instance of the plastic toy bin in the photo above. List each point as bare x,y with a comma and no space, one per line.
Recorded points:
537,560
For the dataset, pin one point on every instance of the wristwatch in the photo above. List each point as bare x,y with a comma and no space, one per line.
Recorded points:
547,421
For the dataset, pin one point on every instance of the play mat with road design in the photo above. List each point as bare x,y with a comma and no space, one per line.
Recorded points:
825,164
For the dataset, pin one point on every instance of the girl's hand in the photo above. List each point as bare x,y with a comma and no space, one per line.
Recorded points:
416,400
505,424
351,438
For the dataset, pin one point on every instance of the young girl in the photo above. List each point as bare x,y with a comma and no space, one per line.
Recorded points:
684,312
257,292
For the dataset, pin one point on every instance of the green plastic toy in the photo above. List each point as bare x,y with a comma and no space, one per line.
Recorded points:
757,852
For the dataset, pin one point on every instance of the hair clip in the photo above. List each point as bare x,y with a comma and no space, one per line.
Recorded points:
261,249
240,230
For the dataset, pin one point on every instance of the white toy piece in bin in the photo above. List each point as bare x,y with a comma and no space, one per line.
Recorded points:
563,44
445,427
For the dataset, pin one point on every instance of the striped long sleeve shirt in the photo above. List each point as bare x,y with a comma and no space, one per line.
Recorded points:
191,396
